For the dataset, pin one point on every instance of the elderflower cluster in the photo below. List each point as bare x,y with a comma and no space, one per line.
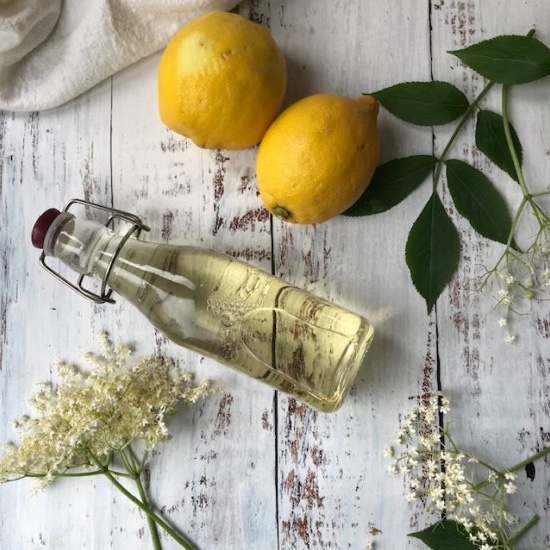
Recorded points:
521,277
97,413
442,476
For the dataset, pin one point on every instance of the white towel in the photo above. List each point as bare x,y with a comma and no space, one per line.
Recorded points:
53,50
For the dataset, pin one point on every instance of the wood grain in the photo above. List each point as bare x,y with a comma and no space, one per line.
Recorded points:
249,468
502,386
330,466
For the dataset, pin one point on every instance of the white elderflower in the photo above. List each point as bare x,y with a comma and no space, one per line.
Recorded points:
436,493
504,296
443,478
415,483
430,440
510,488
509,518
91,417
431,467
492,477
98,412
444,405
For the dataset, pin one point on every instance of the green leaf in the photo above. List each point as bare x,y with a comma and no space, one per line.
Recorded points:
476,199
432,251
423,103
508,59
491,141
391,183
445,535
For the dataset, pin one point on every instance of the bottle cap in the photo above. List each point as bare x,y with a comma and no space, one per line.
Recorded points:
42,225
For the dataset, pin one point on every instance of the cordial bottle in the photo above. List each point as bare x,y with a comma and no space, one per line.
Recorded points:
216,305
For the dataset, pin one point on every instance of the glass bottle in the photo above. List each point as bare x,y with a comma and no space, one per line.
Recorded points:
216,305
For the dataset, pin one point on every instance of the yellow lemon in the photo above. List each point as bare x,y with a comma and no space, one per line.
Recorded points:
318,157
221,81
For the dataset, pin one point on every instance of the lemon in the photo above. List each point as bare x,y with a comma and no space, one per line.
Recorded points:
318,157
221,81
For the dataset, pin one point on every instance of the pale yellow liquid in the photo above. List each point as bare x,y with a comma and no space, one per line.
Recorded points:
245,318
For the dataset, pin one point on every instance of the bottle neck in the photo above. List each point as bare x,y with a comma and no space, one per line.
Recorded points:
83,245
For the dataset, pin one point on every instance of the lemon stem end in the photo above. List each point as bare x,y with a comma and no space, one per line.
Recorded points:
281,212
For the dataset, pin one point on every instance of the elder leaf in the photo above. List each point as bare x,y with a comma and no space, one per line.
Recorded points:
508,59
423,103
445,535
491,141
476,199
432,251
391,183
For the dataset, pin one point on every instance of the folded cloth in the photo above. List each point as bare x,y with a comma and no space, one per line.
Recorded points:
53,50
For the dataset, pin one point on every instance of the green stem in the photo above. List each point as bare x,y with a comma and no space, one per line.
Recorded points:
531,523
457,130
94,473
449,438
539,213
130,461
75,474
462,122
510,143
481,462
515,222
508,249
510,244
135,468
520,465
483,484
126,462
141,505
138,464
151,523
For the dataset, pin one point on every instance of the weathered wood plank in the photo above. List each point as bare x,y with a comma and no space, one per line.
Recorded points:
333,486
217,478
47,158
499,390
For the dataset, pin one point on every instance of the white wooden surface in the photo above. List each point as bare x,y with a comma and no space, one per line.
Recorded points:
249,469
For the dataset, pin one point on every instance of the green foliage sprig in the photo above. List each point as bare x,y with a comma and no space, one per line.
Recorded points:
105,421
433,246
469,493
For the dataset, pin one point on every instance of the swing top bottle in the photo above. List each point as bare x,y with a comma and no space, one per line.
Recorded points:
215,305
